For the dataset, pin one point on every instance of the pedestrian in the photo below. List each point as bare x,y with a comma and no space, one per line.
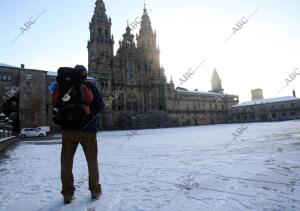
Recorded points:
77,104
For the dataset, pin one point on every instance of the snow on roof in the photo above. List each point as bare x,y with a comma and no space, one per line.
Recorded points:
50,73
266,101
199,92
6,65
54,74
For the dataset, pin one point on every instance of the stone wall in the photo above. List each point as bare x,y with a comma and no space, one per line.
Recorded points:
7,142
32,97
9,79
276,111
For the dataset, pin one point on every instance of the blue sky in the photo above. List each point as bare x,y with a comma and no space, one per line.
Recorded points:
261,55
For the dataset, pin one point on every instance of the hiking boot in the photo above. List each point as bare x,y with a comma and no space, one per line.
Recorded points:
96,195
68,198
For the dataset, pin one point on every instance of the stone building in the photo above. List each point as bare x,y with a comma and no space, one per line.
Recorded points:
132,83
23,94
147,99
257,94
274,109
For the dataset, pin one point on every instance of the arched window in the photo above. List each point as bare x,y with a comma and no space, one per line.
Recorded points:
130,66
131,102
130,78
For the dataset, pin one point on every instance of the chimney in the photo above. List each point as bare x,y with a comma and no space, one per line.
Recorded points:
22,66
294,93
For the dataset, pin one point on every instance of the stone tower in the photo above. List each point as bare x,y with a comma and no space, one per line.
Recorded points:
148,50
100,50
257,94
153,75
216,83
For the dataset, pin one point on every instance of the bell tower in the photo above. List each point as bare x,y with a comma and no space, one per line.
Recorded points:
147,47
216,82
101,49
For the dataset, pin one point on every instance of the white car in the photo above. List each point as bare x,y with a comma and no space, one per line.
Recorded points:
45,129
32,132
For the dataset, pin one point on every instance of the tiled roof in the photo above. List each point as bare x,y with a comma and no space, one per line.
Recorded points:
266,101
199,92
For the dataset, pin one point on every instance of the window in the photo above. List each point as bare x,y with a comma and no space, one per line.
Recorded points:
130,66
131,78
4,77
9,78
134,106
28,95
28,76
128,105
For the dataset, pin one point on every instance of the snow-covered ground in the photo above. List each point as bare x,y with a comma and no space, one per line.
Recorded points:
192,168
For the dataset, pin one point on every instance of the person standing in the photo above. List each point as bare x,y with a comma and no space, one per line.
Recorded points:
76,107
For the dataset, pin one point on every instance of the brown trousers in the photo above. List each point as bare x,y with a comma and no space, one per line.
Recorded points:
70,141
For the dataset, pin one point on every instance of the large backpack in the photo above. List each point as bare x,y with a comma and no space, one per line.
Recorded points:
72,99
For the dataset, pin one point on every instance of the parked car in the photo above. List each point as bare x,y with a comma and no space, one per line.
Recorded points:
45,129
32,132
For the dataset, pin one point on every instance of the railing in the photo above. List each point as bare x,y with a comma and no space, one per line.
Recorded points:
5,134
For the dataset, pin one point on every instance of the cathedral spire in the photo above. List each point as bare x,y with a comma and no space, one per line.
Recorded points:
216,82
146,23
145,9
128,29
147,46
100,9
127,41
100,61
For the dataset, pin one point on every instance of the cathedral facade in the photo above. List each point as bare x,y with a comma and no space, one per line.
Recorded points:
134,85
